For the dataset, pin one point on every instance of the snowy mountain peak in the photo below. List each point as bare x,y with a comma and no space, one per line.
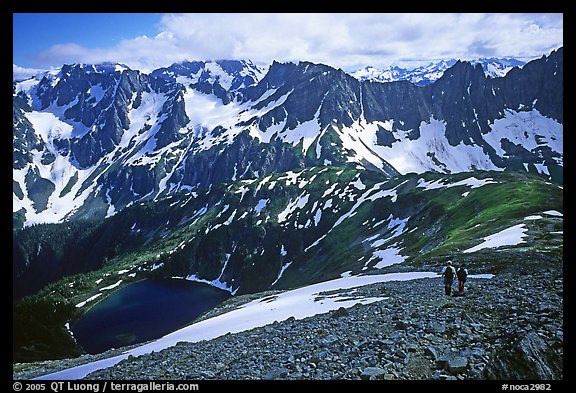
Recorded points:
79,70
388,74
231,75
498,67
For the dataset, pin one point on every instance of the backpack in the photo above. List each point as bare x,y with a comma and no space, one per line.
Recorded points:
461,273
449,273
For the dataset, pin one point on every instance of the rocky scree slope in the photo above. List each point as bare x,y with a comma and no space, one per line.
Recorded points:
509,327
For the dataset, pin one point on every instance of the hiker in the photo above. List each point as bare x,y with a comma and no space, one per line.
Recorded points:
448,272
461,273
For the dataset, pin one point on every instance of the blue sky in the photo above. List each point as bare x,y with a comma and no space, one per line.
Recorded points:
349,41
35,33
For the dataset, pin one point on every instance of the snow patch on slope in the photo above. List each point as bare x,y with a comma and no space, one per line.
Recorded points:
529,129
507,237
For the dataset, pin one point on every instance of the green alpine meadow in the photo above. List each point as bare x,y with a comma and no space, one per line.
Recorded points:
284,231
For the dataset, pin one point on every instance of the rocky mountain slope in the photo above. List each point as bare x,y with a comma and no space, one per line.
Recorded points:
295,228
501,329
90,140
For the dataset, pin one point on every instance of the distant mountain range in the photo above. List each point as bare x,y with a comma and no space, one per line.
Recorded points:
424,75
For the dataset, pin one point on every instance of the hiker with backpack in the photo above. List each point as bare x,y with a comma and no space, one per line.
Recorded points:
461,273
448,272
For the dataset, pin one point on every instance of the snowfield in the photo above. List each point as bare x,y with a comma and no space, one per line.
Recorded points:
507,237
511,236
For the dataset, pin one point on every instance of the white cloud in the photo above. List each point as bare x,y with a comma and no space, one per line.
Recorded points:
22,73
341,40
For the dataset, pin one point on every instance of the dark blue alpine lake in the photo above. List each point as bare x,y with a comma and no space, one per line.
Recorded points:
144,311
